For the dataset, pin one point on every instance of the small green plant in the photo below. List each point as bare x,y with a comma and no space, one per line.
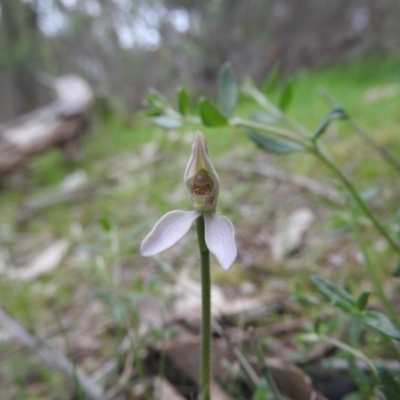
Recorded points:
273,131
355,308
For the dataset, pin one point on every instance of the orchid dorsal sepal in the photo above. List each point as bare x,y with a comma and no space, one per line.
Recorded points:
200,177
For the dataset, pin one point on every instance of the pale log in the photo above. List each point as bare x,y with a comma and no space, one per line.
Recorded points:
57,124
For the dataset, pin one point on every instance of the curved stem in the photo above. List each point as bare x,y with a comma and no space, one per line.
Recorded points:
351,350
354,193
316,150
206,310
314,337
373,275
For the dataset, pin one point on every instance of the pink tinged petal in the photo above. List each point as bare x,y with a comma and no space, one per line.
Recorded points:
167,231
220,238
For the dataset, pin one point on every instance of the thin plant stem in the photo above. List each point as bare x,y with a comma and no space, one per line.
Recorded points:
265,368
317,151
115,250
353,192
206,310
247,368
376,281
357,128
345,347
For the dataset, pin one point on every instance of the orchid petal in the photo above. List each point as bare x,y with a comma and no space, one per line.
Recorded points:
220,238
167,231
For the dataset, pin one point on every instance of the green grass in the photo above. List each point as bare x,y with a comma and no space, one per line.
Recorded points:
134,200
348,84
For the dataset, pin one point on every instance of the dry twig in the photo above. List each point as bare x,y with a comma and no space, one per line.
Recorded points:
51,357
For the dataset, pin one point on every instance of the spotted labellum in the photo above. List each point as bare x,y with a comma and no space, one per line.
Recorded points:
202,183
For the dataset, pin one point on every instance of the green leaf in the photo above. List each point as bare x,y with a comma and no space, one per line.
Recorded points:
155,99
183,101
264,118
363,380
317,325
167,122
286,96
262,390
341,223
396,271
336,113
149,112
106,224
272,144
335,294
227,90
362,300
210,115
155,104
381,323
389,384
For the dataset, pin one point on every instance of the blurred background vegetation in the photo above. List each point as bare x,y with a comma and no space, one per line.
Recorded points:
123,47
101,292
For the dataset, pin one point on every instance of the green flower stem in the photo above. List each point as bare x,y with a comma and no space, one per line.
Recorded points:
206,310
354,193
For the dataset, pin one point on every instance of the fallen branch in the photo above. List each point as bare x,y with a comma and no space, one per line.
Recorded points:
57,124
42,263
51,357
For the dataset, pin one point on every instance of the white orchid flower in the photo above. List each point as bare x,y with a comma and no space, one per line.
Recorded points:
202,183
